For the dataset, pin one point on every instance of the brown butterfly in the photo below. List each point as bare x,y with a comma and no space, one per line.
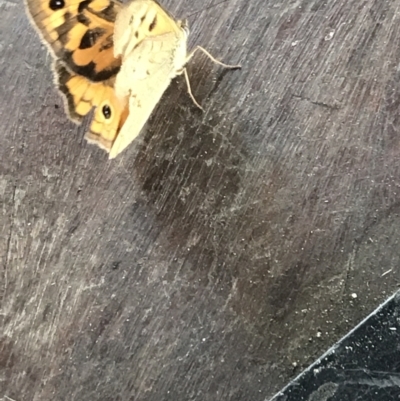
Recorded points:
118,59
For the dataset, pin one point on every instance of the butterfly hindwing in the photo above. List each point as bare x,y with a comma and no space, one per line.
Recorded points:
81,95
155,55
140,20
80,33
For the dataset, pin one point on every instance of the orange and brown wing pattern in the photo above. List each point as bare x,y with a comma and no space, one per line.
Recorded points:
80,33
81,95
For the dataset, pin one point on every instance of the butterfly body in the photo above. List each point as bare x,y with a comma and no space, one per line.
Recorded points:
118,59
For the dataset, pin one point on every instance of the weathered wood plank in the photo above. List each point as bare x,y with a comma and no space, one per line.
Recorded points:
219,254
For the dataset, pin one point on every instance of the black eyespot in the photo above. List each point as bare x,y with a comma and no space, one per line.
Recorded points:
56,4
106,111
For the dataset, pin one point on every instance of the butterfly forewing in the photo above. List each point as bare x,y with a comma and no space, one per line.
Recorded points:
80,33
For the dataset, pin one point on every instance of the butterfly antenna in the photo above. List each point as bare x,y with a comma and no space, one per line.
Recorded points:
207,8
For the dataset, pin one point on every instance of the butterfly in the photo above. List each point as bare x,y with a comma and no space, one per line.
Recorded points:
116,58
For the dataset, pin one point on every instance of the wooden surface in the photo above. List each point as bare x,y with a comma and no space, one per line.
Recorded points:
224,251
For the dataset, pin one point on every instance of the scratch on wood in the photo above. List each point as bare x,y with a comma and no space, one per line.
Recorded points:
322,104
8,249
6,397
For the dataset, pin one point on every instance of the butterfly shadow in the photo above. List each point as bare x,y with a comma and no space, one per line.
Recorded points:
190,164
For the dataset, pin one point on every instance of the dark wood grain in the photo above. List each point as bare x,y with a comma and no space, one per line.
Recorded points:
223,251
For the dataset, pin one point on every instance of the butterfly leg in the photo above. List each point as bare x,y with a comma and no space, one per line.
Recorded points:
191,54
190,89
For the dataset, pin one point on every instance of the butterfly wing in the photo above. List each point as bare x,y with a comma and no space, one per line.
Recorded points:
153,50
80,34
81,95
140,20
